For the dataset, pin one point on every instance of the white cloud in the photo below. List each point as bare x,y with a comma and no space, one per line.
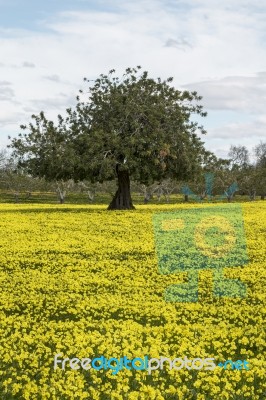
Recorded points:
224,43
27,64
10,119
6,91
247,134
244,93
180,43
58,102
240,131
53,78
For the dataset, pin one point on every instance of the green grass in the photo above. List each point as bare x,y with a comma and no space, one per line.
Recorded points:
101,198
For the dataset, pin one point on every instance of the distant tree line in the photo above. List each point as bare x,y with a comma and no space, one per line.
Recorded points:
237,173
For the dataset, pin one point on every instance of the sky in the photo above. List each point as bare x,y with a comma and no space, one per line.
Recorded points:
215,48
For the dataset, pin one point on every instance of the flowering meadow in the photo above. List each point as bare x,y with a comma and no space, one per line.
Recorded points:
84,282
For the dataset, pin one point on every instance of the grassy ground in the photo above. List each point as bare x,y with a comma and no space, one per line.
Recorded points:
81,198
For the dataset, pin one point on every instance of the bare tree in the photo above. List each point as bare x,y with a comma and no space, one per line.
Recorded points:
62,187
239,157
89,188
145,190
260,154
166,188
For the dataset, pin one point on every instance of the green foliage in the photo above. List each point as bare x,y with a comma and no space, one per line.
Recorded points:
135,123
45,151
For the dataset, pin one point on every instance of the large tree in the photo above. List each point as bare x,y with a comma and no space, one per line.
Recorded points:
130,127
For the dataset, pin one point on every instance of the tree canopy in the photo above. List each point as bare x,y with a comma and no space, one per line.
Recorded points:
130,127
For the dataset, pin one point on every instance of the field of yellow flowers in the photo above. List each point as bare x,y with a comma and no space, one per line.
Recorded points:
84,282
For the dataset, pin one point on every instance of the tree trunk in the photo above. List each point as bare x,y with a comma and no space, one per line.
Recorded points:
146,199
262,197
186,198
252,195
122,199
